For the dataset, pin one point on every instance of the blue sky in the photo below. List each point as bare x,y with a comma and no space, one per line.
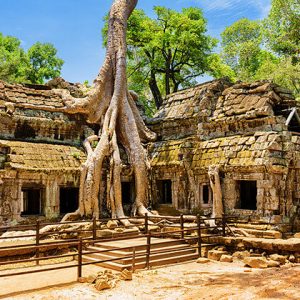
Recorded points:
74,26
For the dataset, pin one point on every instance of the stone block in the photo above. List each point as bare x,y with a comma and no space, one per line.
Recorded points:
241,254
256,262
215,254
202,260
279,258
273,264
226,258
111,224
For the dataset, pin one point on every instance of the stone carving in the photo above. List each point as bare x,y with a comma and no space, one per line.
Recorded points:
214,179
5,210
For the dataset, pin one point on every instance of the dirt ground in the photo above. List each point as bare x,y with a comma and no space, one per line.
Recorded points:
213,280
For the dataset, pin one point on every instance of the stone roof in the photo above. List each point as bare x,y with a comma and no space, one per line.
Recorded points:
253,100
41,157
259,149
192,102
33,95
262,148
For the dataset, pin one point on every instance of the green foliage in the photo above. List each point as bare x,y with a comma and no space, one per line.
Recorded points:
241,47
44,64
13,59
281,71
168,51
38,64
268,49
282,28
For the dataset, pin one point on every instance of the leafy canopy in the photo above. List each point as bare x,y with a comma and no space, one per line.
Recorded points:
267,49
167,52
38,64
282,28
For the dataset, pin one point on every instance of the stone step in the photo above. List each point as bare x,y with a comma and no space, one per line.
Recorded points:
141,265
154,256
157,243
126,252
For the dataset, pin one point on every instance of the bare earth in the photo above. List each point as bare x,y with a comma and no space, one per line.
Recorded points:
213,280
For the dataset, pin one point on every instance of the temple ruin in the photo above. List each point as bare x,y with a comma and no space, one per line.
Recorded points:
248,135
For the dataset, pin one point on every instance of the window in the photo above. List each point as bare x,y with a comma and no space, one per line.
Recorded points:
68,199
247,195
164,191
32,201
205,193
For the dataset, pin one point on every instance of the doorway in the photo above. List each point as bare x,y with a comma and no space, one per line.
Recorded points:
164,191
248,194
68,199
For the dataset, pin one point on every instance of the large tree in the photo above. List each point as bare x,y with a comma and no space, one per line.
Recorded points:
241,47
281,28
112,106
168,51
38,64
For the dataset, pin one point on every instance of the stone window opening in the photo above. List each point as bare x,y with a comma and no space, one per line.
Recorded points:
247,196
32,203
68,199
205,195
164,191
293,121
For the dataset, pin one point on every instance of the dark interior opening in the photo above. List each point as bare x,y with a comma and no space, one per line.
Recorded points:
294,125
165,191
32,201
205,194
248,195
127,192
68,199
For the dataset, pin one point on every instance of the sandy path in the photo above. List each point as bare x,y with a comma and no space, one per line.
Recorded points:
213,280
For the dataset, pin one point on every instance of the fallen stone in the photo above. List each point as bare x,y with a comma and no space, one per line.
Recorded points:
202,260
82,279
226,258
112,224
102,284
241,254
240,246
104,233
280,258
292,258
215,254
272,263
256,262
126,275
297,235
91,279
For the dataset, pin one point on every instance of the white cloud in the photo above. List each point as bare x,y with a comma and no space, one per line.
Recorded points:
261,6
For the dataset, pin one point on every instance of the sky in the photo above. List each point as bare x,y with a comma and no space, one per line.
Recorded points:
74,26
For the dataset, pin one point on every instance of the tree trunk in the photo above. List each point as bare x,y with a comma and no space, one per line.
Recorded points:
113,107
155,90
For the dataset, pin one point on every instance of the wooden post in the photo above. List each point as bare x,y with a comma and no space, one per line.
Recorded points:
79,269
148,248
146,223
181,227
37,241
94,229
199,235
223,225
133,259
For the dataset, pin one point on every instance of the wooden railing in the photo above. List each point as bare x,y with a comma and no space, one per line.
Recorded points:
39,246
